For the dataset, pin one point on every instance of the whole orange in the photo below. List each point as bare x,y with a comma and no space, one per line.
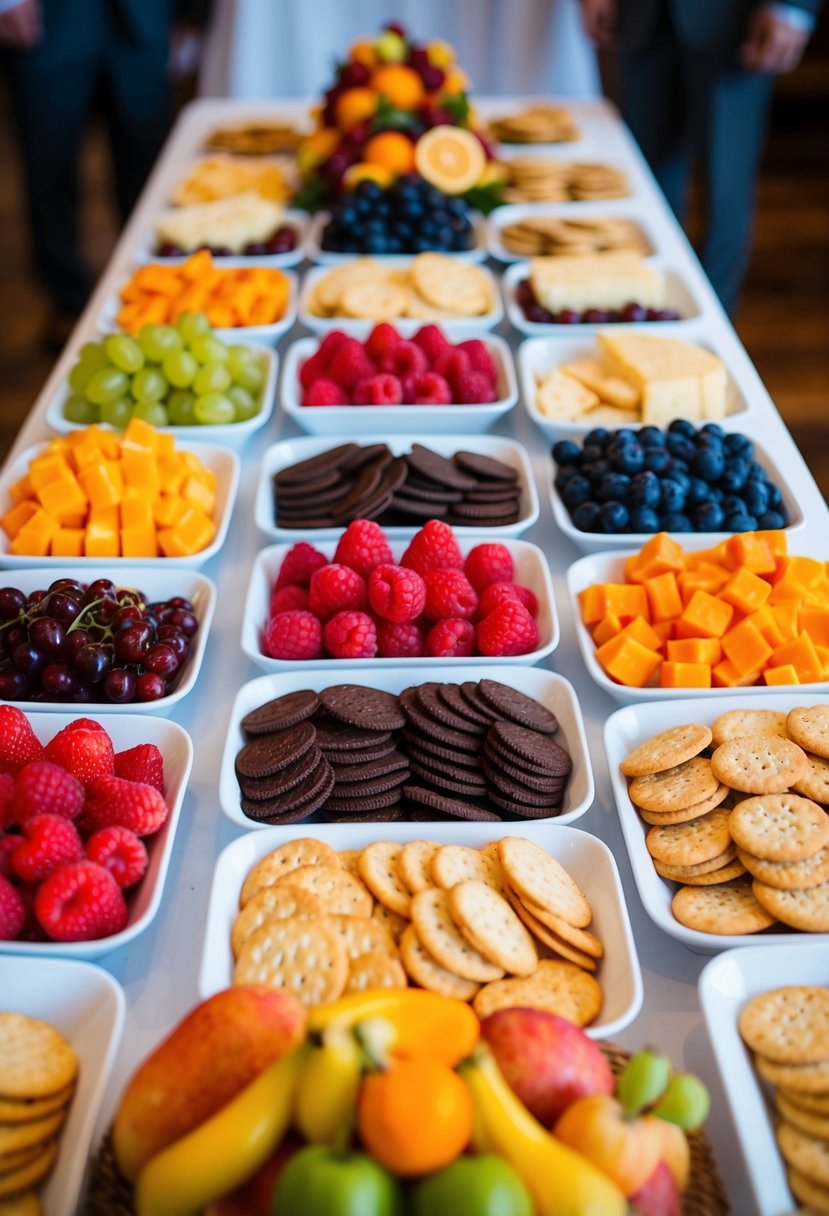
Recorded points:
400,85
355,105
392,150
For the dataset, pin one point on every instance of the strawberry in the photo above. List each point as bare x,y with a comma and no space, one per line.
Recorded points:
121,852
48,841
42,788
85,749
18,742
6,791
12,911
112,800
143,763
80,902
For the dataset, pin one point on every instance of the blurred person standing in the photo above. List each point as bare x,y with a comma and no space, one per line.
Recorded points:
696,80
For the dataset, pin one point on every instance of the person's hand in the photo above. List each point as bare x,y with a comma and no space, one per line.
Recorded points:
771,44
185,51
599,20
21,25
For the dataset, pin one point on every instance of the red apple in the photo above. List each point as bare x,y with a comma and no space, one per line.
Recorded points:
548,1061
676,1152
658,1196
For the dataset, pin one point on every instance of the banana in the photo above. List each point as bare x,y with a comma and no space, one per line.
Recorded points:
224,1151
561,1181
356,1007
328,1086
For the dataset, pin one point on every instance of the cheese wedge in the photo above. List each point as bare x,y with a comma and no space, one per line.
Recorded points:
561,397
612,389
602,280
675,379
231,222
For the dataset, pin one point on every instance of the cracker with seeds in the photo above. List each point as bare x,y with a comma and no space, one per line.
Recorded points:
378,868
723,909
707,878
788,875
36,1061
375,969
804,1120
556,986
674,789
415,864
279,902
807,910
701,840
804,1153
779,827
799,1078
759,764
304,957
549,939
666,750
815,784
695,811
336,889
741,723
453,863
789,1024
809,726
304,851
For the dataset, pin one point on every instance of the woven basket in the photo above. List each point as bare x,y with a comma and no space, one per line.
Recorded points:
110,1195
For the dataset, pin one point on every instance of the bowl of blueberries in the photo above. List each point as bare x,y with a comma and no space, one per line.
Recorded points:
408,217
612,489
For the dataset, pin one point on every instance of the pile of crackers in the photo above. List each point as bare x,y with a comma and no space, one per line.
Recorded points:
539,124
223,176
584,388
255,139
38,1070
551,236
737,816
434,287
502,926
787,1028
545,179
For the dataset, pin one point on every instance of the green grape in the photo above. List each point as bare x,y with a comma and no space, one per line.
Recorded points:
80,376
250,376
180,408
686,1102
214,409
93,355
107,384
239,356
210,350
643,1081
156,341
211,378
193,325
149,384
124,352
245,404
117,413
179,367
152,411
78,409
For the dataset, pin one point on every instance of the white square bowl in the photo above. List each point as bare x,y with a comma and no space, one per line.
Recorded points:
298,220
223,463
375,420
551,689
516,213
157,583
586,858
607,567
87,1006
457,327
230,435
677,295
537,357
326,257
596,542
291,451
626,729
531,570
725,985
144,899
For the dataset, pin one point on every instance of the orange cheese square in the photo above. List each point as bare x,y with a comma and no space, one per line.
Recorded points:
704,616
628,662
685,675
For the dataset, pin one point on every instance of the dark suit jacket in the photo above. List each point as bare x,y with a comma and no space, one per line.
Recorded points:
706,25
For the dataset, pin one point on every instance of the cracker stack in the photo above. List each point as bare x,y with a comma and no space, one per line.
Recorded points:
788,1030
541,124
737,815
38,1068
433,287
545,179
551,236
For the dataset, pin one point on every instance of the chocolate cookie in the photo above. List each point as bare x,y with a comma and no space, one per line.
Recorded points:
281,713
364,708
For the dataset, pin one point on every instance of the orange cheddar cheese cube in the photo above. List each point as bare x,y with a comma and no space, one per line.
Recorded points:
193,532
63,498
704,616
140,470
35,535
101,537
17,516
606,629
695,651
815,622
784,674
752,550
684,675
659,555
136,511
139,542
707,576
103,482
21,489
746,648
746,591
726,675
801,654
627,661
643,632
663,595
68,542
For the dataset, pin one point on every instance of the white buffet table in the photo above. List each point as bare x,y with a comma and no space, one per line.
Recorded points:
159,970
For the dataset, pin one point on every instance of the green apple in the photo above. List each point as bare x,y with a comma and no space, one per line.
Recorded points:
323,1181
473,1186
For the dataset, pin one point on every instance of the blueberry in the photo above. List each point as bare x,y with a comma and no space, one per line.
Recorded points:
681,426
738,445
708,517
712,428
565,474
598,437
771,519
592,451
369,189
613,517
596,469
709,439
681,447
756,497
709,463
735,475
643,519
657,460
699,491
375,243
671,496
586,517
631,459
652,437
567,452
740,523
577,491
625,435
678,473
716,494
733,504
775,496
613,486
756,472
645,490
675,521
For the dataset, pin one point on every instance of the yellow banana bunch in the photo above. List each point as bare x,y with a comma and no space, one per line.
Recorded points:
328,1086
560,1180
223,1152
356,1007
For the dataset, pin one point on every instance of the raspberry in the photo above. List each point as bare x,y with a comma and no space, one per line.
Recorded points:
433,548
480,360
313,369
400,640
293,635
377,390
143,763
6,812
86,751
451,639
489,563
451,364
42,788
496,593
332,342
121,852
449,593
395,593
18,742
508,630
381,340
363,546
426,388
349,363
12,911
7,846
404,359
298,564
48,841
335,588
432,341
111,800
289,599
80,902
351,635
473,389
325,392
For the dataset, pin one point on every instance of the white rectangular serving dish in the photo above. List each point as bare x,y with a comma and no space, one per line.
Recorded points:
677,295
144,899
596,542
607,567
626,729
586,858
725,985
547,687
87,1006
460,327
107,321
325,257
531,570
292,217
515,213
375,420
291,451
158,583
230,435
566,153
537,357
223,463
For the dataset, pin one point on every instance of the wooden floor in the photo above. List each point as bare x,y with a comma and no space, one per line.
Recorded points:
784,321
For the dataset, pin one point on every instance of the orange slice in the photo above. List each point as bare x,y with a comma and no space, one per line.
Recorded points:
450,158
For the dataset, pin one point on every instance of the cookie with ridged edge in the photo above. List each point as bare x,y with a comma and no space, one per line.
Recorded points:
263,789
537,751
417,716
517,707
442,782
458,808
268,754
428,699
281,713
439,468
369,770
385,814
414,742
450,695
334,458
364,708
487,467
333,737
